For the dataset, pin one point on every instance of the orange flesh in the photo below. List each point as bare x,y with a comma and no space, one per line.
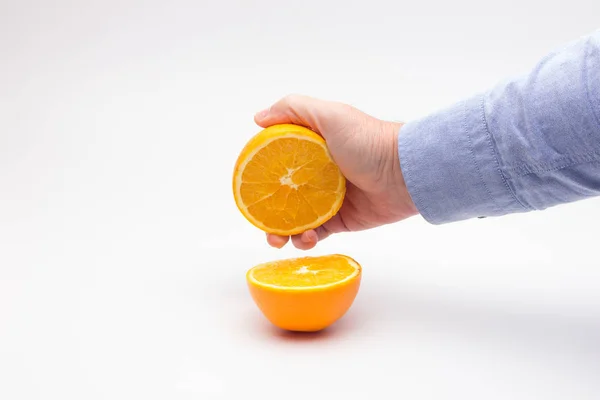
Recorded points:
305,272
288,181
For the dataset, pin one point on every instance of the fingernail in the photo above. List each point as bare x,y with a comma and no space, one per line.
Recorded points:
309,237
262,114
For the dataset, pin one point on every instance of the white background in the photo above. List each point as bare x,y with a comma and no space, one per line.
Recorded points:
122,255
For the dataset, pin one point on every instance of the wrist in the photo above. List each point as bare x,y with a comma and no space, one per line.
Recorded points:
404,204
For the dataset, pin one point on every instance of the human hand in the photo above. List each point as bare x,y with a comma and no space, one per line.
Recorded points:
366,151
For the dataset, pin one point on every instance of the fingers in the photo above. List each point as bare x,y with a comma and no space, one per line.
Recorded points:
296,109
277,241
304,241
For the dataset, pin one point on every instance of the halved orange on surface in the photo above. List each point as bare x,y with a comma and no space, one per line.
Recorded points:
285,181
305,294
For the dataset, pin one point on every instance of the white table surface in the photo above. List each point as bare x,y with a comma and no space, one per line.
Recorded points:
122,255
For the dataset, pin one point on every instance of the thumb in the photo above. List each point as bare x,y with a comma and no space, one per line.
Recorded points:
300,110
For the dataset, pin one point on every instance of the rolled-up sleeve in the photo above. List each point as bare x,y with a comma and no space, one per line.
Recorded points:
527,144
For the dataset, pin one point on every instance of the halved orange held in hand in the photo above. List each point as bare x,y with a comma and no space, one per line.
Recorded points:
285,181
305,294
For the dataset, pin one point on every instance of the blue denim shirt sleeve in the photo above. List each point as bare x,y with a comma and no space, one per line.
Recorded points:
527,144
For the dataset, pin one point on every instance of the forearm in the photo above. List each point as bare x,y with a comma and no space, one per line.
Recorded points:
527,144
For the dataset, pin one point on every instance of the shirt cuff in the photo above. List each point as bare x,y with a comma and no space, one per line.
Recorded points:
450,166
